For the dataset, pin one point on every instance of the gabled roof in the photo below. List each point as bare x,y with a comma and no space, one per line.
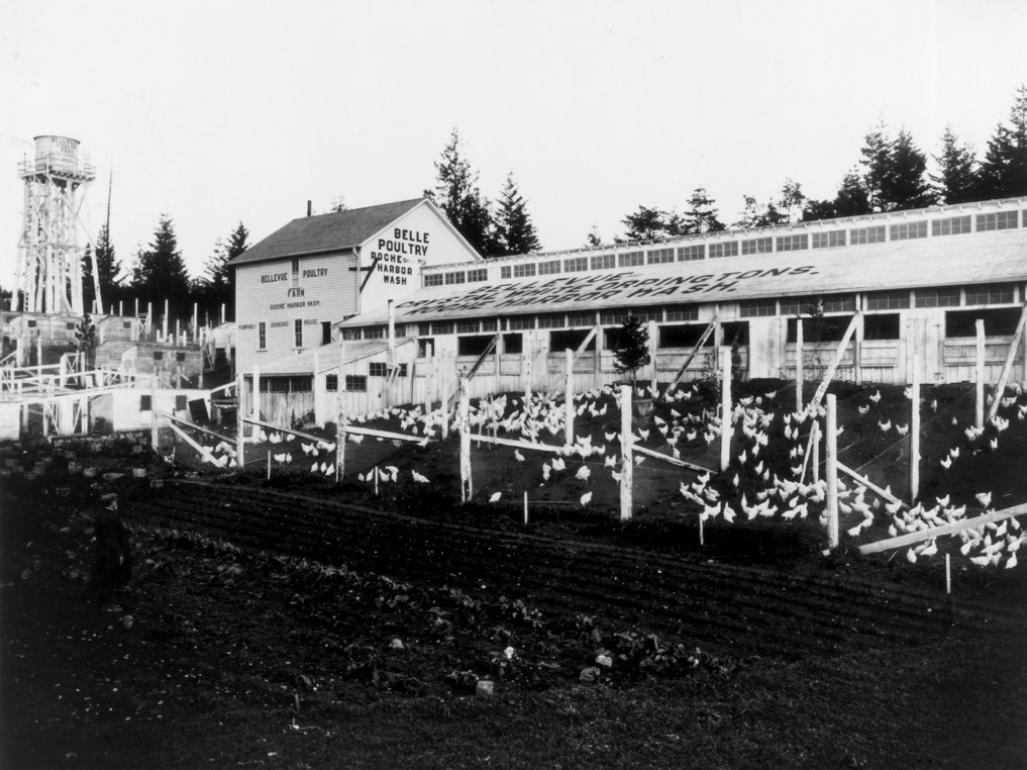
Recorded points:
955,260
325,232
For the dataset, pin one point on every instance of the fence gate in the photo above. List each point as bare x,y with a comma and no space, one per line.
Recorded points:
922,335
767,338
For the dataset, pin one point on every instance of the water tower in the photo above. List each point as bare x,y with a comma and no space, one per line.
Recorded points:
49,272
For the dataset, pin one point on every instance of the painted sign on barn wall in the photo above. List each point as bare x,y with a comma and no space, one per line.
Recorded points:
391,260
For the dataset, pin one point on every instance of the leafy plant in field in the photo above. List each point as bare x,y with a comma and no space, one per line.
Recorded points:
632,347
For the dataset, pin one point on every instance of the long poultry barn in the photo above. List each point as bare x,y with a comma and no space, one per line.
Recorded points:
915,281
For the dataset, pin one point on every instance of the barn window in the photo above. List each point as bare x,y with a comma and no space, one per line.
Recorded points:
506,271
522,322
433,279
351,334
374,332
724,249
423,329
425,347
1000,220
581,319
826,329
682,335
758,246
631,259
604,261
863,235
158,355
474,276
881,326
736,333
297,332
473,345
796,242
488,324
513,343
442,327
295,271
576,265
887,300
682,313
180,356
997,322
181,403
456,277
377,369
524,271
951,226
570,338
549,268
262,336
144,404
990,294
905,231
331,383
829,239
552,321
660,256
947,297
356,383
757,307
326,332
468,326
692,253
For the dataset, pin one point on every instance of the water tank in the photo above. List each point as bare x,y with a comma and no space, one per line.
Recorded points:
60,153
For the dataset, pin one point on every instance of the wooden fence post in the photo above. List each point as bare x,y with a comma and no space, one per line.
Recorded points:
914,433
498,358
799,364
340,417
568,405
979,377
154,437
726,427
466,487
627,438
831,452
815,453
240,439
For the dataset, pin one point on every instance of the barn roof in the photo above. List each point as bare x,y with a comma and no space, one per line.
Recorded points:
325,232
944,261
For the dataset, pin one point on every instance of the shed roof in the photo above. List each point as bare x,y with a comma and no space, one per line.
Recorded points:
325,232
302,363
944,261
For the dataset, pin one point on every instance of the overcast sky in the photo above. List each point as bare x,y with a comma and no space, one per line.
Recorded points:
218,112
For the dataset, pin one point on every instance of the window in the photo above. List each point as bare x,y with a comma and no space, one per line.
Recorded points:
144,404
377,369
724,249
506,271
442,327
796,242
887,300
951,226
331,382
576,265
297,333
158,355
473,346
660,256
289,384
374,332
989,294
867,235
997,322
682,313
181,403
180,356
948,297
830,329
736,332
295,271
488,324
524,270
326,332
604,261
423,329
648,313
829,240
682,336
691,253
759,307
402,370
1001,220
32,324
513,343
474,276
631,259
426,347
356,383
581,319
522,322
351,334
552,321
757,246
549,268
572,338
457,277
833,303
608,317
468,326
433,279
882,326
905,231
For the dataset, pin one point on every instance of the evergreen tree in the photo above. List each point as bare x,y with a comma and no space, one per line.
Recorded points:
853,198
108,269
957,180
1004,170
817,209
338,205
904,184
701,216
876,152
646,224
215,285
160,272
631,350
456,193
85,341
790,205
592,240
515,233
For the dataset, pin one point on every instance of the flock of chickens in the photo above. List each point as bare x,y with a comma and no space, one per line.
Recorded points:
761,483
